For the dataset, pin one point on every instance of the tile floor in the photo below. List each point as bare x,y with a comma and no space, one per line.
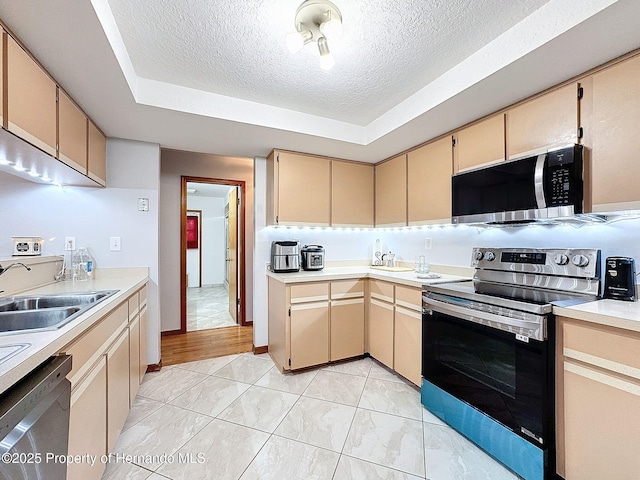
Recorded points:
208,307
238,417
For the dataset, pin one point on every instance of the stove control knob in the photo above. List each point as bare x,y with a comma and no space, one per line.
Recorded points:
479,256
561,259
489,256
580,261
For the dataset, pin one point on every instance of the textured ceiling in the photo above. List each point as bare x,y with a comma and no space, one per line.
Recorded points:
388,51
433,82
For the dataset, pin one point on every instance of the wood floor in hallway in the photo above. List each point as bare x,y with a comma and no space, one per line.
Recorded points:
203,344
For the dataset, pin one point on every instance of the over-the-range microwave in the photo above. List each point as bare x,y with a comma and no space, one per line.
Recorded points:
548,185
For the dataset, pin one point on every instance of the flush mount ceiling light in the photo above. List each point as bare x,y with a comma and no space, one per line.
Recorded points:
316,21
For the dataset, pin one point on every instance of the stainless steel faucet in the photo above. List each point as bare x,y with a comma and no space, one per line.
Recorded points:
17,264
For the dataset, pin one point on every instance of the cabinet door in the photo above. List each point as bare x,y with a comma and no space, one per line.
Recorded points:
610,132
303,190
142,365
429,183
601,418
97,158
407,344
88,423
381,331
391,192
134,355
351,194
31,100
2,80
309,334
72,134
347,328
480,144
117,388
550,120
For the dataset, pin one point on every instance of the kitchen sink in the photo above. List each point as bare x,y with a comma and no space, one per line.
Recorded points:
45,312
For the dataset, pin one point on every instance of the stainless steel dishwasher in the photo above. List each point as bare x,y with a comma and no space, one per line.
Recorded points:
34,423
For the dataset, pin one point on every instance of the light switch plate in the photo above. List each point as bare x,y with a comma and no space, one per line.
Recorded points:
69,244
114,244
427,244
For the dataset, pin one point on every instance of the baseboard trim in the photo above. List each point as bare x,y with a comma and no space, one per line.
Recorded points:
166,333
154,367
260,350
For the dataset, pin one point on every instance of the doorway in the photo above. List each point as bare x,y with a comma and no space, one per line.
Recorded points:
212,257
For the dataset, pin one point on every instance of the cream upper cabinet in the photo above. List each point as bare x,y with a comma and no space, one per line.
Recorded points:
97,159
429,183
479,144
548,121
598,401
351,194
611,115
72,133
391,192
298,189
31,99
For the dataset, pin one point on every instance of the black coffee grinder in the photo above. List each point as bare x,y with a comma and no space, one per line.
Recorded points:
620,279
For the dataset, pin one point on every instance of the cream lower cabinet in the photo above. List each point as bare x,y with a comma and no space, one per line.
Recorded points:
88,422
134,345
144,322
309,324
117,388
598,401
103,372
380,325
347,319
407,333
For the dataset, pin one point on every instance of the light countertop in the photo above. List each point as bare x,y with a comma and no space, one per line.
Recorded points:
47,343
408,278
612,313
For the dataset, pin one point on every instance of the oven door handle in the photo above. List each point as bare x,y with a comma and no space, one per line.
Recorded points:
531,329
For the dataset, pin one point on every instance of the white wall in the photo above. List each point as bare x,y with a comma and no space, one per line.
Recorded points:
213,241
451,245
93,215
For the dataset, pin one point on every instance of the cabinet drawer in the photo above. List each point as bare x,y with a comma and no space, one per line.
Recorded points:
93,343
604,347
309,292
409,297
381,290
347,289
134,306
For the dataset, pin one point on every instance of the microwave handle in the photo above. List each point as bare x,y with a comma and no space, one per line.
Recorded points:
538,180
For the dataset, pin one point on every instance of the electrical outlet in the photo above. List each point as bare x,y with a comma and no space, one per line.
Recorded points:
427,243
69,243
114,244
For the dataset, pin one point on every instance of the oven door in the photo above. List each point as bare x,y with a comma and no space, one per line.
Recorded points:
505,375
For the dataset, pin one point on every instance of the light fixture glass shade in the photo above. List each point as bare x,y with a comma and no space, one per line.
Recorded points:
326,59
332,28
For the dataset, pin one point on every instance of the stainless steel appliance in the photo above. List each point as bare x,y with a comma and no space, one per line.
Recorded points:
34,423
620,279
312,257
488,349
285,256
548,185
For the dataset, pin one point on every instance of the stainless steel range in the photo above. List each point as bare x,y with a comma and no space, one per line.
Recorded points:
488,349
